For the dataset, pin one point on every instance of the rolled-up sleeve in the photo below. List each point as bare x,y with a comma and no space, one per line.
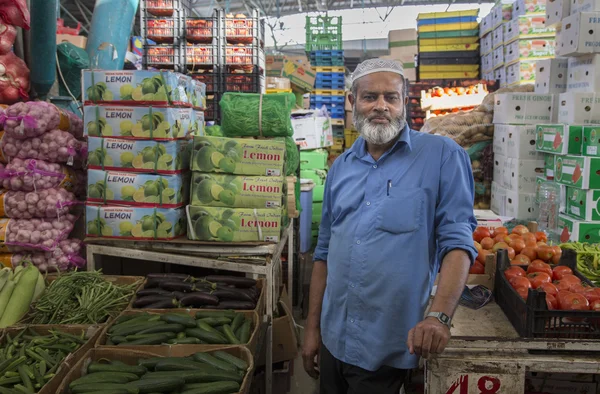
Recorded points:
322,248
454,217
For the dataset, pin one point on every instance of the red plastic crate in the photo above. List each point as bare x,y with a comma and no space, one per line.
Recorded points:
200,30
160,7
160,30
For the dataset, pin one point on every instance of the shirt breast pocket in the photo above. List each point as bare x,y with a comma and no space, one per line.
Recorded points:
401,211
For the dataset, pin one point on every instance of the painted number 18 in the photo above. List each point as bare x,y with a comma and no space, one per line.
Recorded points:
485,385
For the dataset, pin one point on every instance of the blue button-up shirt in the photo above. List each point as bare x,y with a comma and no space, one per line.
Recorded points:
386,226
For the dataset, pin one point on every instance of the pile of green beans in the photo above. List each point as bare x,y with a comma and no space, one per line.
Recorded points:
29,360
80,297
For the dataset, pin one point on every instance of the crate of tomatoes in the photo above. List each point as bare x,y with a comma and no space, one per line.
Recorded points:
546,297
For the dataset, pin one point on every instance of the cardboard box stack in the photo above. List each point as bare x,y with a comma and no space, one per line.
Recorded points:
138,124
527,38
403,48
448,45
486,46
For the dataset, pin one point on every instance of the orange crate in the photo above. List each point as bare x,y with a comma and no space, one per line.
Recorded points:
199,30
199,55
160,7
161,55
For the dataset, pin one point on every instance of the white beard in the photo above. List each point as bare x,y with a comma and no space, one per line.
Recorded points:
378,134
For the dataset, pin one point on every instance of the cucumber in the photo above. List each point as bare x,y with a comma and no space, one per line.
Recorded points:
211,388
213,361
112,391
117,339
216,321
224,313
181,335
134,321
124,318
104,367
184,341
155,339
203,326
206,336
105,377
160,385
150,363
237,321
108,387
207,375
245,332
176,328
136,328
182,364
186,321
239,363
230,335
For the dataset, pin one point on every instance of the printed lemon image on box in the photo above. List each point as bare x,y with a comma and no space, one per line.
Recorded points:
161,157
140,122
559,139
238,156
135,87
125,188
233,224
196,94
577,171
134,222
238,191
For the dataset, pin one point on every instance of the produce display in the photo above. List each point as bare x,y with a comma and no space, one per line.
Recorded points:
66,255
134,222
7,38
55,146
14,79
165,291
80,297
455,91
234,224
34,118
19,288
588,259
134,189
202,372
46,203
203,327
32,357
35,234
30,175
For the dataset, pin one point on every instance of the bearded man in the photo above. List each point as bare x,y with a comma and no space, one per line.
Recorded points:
397,206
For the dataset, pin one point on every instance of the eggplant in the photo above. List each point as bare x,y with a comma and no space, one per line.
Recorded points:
151,292
198,299
237,281
142,302
237,305
172,276
178,294
174,285
166,304
233,294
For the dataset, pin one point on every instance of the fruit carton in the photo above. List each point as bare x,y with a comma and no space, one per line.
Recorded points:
233,224
559,139
583,204
575,230
549,165
140,122
132,189
154,157
134,222
238,156
591,141
237,191
196,91
577,171
126,87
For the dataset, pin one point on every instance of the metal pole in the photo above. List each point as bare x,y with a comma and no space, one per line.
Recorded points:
62,7
78,4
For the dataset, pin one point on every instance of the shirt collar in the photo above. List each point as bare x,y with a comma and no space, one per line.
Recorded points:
359,148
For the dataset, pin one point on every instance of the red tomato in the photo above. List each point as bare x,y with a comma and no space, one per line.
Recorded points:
531,243
574,302
540,243
529,237
499,238
477,245
545,252
595,306
482,255
522,259
520,281
500,230
561,270
523,292
551,301
530,252
566,282
517,244
592,294
579,288
511,253
562,294
480,233
557,254
514,271
512,237
477,268
520,229
549,288
499,245
541,236
487,243
538,278
538,266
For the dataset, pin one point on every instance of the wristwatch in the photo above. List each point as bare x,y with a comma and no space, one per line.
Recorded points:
442,318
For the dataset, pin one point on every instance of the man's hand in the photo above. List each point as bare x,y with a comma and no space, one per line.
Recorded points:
310,351
429,337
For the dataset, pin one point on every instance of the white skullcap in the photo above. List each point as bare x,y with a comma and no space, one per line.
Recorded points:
377,65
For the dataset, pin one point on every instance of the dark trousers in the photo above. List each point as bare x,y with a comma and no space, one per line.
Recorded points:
338,377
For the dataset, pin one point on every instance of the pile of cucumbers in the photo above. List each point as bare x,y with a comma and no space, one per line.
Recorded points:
224,327
217,372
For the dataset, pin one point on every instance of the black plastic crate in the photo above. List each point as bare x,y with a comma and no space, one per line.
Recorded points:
212,111
532,318
449,55
209,77
201,30
242,29
243,82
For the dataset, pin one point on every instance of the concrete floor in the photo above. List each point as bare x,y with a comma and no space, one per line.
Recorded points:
302,383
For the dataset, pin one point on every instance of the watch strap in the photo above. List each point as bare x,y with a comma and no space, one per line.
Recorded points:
442,318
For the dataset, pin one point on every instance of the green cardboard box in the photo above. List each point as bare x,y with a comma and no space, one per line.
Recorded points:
591,141
583,204
558,139
578,171
549,165
575,230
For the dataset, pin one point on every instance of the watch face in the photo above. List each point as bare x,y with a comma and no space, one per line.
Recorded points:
444,318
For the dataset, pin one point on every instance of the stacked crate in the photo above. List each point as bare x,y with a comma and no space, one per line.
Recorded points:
527,39
448,45
313,166
493,63
403,47
486,47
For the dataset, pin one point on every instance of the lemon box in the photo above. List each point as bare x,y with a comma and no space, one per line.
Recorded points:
127,87
154,157
233,224
134,189
134,222
241,156
239,191
196,91
140,122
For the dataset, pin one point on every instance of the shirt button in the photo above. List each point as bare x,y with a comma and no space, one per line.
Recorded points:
375,166
351,320
358,242
368,203
352,285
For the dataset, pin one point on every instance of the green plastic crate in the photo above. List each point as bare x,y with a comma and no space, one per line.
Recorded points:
318,192
323,33
448,34
313,159
317,176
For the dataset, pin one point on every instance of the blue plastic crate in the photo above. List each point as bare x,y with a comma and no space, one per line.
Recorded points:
330,84
318,100
319,61
327,53
329,76
306,202
336,112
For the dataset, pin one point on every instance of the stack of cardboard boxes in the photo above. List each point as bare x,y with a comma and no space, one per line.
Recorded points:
403,48
486,45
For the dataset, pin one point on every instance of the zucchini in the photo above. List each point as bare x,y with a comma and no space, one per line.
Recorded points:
124,318
175,328
223,313
216,321
211,388
104,367
108,387
182,364
184,341
135,328
117,339
197,376
186,321
230,335
144,318
245,332
206,336
214,362
105,377
155,339
160,385
203,326
239,363
150,363
237,321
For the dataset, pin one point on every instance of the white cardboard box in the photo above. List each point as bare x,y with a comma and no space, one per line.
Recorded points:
584,74
497,37
551,75
521,206
523,108
521,73
533,7
556,10
488,76
520,175
498,203
520,141
500,75
313,131
529,49
496,13
498,58
579,108
500,139
584,6
498,174
580,34
487,62
527,26
485,26
486,44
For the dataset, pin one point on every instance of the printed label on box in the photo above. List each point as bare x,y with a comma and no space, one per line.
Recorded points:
559,139
583,204
578,171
